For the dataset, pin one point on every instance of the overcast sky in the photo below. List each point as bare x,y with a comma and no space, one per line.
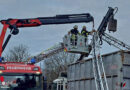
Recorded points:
43,37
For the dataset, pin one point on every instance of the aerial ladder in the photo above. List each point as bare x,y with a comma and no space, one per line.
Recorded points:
98,67
50,52
98,36
97,58
115,42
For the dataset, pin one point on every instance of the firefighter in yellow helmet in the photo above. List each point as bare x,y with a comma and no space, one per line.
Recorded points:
85,33
74,32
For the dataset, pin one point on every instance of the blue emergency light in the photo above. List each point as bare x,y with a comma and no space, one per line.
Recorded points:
33,60
0,59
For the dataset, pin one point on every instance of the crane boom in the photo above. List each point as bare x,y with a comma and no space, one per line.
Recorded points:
14,24
58,19
102,27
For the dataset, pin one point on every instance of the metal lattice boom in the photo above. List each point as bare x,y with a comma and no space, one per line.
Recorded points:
115,42
47,53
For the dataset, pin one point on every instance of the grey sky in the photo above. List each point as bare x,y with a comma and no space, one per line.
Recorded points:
43,37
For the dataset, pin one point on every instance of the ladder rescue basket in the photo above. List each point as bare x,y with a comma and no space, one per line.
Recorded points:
79,44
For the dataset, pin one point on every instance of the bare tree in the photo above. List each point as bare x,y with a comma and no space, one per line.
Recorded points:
58,63
18,54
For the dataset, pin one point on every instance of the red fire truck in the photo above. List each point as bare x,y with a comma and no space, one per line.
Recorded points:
17,76
20,75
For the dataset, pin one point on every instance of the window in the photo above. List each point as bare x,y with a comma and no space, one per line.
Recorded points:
25,81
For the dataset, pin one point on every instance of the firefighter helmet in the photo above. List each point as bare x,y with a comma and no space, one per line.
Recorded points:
84,27
75,26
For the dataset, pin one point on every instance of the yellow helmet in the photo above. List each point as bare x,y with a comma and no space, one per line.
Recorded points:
75,26
84,27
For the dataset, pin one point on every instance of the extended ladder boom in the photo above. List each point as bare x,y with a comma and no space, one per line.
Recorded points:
115,42
50,52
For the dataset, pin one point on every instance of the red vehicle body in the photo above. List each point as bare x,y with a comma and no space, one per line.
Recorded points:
12,71
19,67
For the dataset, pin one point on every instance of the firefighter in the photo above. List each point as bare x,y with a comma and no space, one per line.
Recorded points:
85,33
74,32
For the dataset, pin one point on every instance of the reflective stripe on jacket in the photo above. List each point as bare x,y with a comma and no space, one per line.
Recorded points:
73,36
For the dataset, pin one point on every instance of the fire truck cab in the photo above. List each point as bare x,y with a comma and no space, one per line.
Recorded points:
20,76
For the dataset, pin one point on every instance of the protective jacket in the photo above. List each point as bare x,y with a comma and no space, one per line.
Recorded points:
74,32
84,33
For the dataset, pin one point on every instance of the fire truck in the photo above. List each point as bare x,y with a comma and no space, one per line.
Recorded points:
20,75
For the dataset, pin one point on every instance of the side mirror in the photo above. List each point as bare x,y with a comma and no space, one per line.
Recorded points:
112,25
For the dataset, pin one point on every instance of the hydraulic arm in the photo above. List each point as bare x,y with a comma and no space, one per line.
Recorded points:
14,24
107,20
98,67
